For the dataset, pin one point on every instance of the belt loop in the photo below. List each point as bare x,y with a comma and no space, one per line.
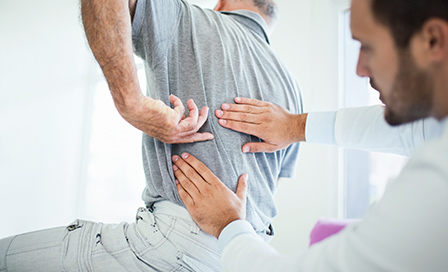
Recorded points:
194,228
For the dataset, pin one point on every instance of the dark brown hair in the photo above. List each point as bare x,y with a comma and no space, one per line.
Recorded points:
405,18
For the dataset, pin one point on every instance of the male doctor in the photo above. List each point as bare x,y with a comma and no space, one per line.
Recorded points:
404,51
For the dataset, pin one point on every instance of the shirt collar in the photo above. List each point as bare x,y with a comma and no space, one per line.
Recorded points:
251,20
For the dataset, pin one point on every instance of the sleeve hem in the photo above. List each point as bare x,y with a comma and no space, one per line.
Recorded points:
137,23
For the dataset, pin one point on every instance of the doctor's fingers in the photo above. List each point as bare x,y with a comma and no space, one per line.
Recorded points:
187,185
248,128
244,108
200,168
194,170
252,118
186,198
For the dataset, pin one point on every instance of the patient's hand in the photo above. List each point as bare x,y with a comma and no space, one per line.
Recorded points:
273,124
210,203
166,124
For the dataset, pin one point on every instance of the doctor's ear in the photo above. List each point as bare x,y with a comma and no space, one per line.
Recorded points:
434,35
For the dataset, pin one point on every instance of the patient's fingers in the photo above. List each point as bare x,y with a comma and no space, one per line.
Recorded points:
196,137
189,124
178,106
203,115
194,111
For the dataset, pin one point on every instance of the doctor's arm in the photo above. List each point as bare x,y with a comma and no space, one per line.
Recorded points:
107,25
361,128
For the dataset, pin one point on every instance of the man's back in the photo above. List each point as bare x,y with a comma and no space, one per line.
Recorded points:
213,57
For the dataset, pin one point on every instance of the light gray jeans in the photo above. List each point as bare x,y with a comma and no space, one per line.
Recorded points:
165,239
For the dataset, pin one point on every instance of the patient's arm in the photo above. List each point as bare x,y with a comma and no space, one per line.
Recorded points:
107,24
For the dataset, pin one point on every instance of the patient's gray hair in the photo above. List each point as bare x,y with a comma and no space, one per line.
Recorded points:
267,7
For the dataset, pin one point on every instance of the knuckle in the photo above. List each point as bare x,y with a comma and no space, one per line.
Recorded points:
186,184
243,126
171,124
190,172
181,192
201,168
263,126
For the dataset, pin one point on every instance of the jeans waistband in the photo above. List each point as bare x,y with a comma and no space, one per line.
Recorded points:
173,209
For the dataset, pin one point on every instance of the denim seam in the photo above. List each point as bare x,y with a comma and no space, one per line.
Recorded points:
27,251
203,245
6,255
160,243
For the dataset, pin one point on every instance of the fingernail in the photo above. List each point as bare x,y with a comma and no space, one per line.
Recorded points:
237,99
175,158
177,182
246,149
225,106
175,168
222,122
245,177
185,155
219,113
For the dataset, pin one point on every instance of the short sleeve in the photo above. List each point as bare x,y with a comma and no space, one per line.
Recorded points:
289,161
155,26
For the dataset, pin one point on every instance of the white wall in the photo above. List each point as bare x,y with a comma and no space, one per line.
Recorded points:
44,72
306,39
45,111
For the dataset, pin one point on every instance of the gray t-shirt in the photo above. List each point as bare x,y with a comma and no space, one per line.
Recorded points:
213,57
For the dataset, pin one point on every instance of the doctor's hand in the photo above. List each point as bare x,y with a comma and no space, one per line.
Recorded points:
273,124
164,123
210,203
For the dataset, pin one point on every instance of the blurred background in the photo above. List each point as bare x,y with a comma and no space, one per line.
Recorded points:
65,152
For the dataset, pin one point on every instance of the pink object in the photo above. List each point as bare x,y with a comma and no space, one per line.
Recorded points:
326,227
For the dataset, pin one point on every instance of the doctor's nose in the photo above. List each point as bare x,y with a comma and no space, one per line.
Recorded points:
362,69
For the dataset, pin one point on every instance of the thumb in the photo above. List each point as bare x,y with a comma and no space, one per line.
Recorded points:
258,147
242,187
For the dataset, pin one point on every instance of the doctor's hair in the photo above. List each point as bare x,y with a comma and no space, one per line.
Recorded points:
404,18
268,8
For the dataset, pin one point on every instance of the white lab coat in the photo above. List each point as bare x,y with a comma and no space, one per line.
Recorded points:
404,231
